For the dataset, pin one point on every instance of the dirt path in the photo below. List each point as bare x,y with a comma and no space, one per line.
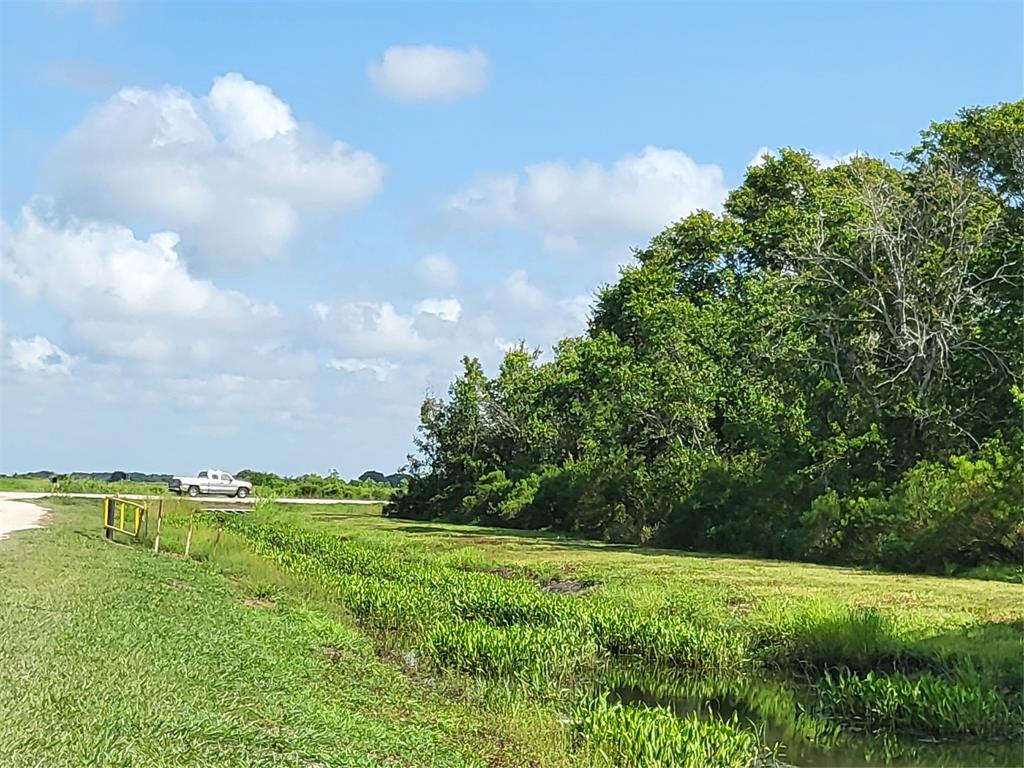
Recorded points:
19,515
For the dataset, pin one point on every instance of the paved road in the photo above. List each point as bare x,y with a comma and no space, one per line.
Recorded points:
12,495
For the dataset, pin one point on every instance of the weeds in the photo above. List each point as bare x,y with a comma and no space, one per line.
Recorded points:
654,737
926,705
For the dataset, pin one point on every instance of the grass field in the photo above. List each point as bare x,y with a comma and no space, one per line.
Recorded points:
112,656
334,636
78,485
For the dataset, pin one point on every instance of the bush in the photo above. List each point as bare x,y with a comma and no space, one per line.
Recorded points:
963,513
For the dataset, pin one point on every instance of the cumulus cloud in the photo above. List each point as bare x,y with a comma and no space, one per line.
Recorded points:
446,309
125,297
429,73
824,159
437,270
373,329
232,171
380,369
531,313
565,204
227,392
520,292
39,355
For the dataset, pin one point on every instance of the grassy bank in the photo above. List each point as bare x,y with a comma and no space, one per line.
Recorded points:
112,656
456,645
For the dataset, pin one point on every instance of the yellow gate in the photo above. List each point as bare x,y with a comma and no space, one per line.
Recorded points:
122,516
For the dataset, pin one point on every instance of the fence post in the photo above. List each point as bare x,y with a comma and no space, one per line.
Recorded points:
159,519
188,538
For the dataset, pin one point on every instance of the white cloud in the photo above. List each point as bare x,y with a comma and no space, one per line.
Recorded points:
521,293
437,270
369,329
578,308
637,195
429,73
125,297
39,355
759,157
829,161
564,245
320,309
379,367
504,344
525,310
226,392
446,309
823,159
233,171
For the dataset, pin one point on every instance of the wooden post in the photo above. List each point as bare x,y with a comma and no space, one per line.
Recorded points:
159,519
188,537
216,539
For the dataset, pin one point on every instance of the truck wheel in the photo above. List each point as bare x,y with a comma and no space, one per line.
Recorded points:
242,493
193,491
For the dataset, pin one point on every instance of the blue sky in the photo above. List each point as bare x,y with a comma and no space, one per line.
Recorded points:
352,196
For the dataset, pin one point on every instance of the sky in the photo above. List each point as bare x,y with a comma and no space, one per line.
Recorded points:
257,234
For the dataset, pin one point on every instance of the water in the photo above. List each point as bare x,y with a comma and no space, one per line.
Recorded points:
774,707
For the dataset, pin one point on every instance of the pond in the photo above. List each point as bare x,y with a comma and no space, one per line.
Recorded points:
774,706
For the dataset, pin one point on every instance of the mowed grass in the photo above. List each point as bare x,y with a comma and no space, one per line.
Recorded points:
661,578
110,655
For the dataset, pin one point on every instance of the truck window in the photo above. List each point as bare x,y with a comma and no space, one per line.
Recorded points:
202,474
227,478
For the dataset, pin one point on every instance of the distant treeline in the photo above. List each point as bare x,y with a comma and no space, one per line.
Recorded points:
369,485
103,477
829,369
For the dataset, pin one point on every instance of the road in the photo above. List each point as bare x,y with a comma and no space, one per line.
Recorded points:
18,515
13,495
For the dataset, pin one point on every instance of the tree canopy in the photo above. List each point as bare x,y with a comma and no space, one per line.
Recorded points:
830,368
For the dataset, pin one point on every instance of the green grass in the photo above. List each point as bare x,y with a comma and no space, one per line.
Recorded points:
334,636
927,705
110,655
652,737
79,485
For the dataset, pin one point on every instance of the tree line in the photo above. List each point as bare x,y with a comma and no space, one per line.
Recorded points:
369,485
829,369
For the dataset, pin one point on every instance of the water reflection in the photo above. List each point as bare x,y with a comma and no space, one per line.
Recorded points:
779,707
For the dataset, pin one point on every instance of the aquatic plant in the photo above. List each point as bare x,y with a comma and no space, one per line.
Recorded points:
926,704
654,737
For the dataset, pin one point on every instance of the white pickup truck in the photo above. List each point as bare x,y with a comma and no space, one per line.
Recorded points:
212,481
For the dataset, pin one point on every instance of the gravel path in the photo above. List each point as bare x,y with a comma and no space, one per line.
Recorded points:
18,515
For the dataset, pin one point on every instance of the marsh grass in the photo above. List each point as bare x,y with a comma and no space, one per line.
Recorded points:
654,737
473,622
112,656
925,705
